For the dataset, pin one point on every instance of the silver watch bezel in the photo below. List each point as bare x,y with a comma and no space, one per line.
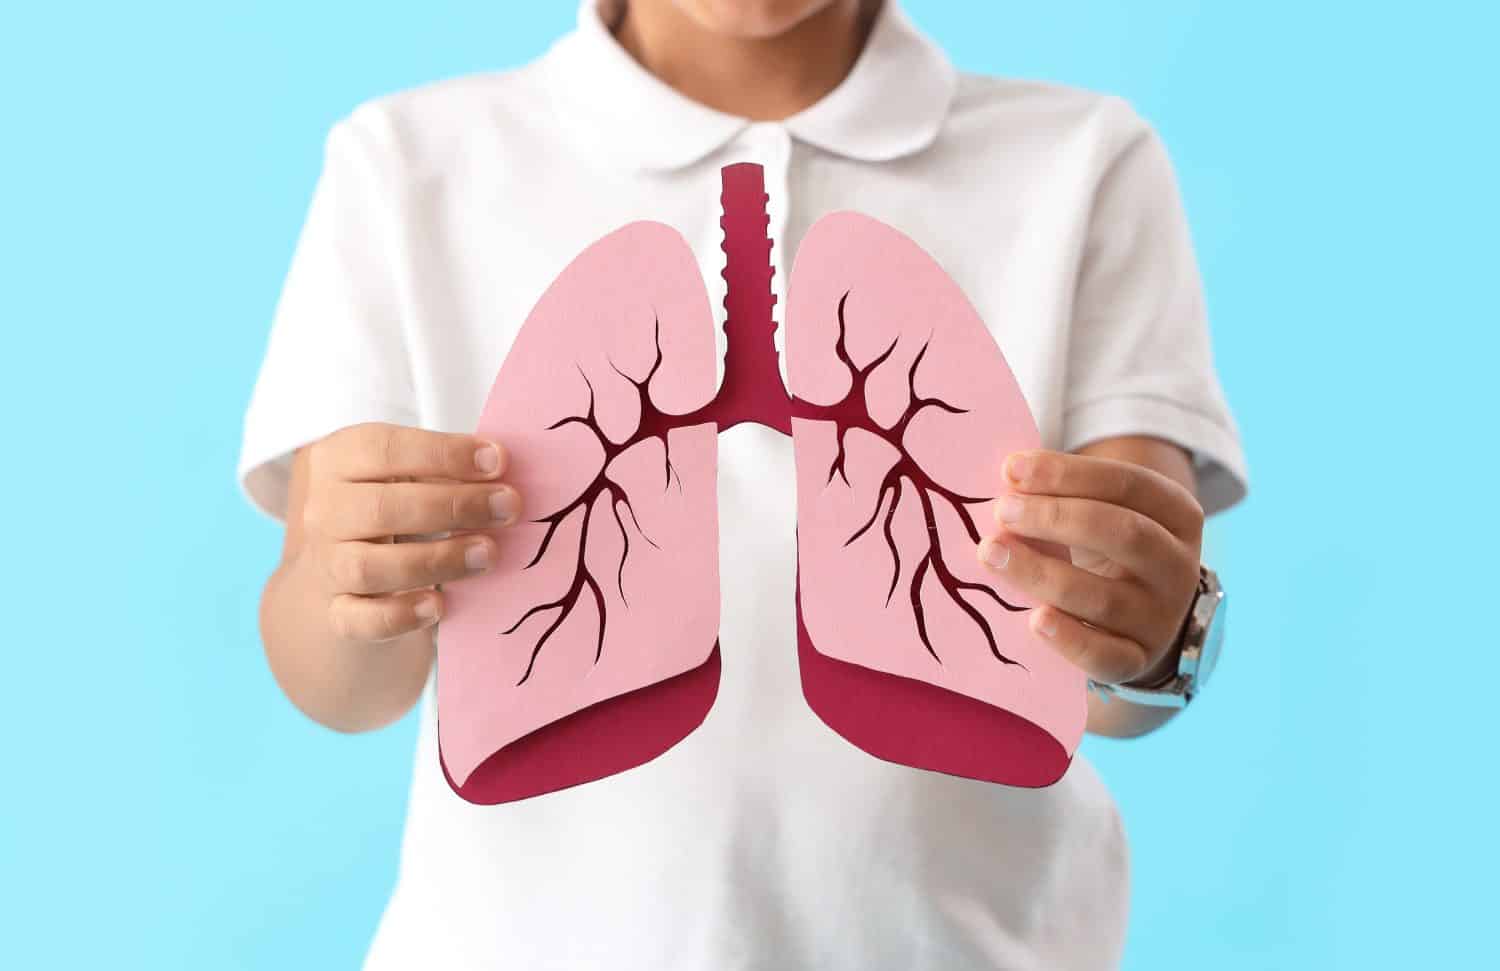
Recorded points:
1202,637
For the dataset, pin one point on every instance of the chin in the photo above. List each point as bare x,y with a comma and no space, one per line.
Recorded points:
752,18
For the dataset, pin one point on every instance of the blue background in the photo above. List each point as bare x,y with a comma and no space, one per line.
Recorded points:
1331,803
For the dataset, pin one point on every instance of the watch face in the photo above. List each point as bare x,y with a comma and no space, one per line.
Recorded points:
1213,643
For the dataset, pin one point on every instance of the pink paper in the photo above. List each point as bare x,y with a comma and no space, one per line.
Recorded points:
611,585
591,648
903,412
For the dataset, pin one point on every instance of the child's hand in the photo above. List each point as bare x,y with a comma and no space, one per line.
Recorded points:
1135,536
369,484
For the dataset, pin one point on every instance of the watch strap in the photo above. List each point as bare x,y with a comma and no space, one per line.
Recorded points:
1177,688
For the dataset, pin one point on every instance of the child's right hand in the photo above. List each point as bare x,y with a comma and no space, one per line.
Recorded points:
371,495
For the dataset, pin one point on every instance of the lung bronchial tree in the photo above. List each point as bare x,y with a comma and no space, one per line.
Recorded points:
592,647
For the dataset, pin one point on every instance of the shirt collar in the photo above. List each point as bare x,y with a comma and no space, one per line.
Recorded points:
893,102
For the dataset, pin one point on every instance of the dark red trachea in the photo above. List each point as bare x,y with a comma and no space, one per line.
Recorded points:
752,390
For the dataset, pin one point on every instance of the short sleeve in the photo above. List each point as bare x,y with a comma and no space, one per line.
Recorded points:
336,354
1139,358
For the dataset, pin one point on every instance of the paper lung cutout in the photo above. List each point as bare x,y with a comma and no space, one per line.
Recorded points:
903,411
606,402
591,647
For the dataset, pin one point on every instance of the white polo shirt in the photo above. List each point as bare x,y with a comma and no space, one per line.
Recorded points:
763,840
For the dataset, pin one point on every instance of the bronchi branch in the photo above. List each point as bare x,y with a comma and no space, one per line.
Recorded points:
904,477
603,491
751,392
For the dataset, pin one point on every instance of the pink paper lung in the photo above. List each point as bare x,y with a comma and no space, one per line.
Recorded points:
592,645
903,412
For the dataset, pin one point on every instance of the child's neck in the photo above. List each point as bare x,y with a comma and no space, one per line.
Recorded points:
761,78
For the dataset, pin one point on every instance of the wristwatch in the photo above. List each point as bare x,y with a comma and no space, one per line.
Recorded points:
1197,649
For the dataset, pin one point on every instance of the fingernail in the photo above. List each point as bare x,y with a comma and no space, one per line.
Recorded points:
996,554
487,459
426,609
1008,508
1045,624
505,505
1018,467
477,557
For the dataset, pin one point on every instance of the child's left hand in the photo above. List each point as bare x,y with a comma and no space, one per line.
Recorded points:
1135,537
